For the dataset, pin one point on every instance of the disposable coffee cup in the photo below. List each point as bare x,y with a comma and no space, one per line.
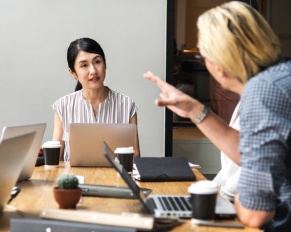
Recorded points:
125,157
203,199
51,152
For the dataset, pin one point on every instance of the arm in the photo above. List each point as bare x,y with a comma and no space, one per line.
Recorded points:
134,121
263,144
221,135
212,126
252,218
58,131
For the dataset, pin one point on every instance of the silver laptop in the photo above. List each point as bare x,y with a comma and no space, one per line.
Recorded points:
30,161
166,206
86,140
13,152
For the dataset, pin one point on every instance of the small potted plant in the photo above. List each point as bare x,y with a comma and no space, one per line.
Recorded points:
67,193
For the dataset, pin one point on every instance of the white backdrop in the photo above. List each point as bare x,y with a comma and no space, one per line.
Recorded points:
35,35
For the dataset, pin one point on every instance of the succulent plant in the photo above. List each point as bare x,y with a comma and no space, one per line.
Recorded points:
67,181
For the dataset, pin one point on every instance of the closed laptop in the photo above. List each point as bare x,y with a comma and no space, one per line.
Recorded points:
163,169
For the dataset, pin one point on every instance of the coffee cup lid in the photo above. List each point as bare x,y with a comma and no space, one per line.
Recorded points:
203,187
124,150
51,144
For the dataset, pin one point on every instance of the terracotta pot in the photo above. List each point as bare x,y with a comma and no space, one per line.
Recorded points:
67,198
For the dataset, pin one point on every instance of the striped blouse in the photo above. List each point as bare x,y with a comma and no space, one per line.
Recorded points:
73,108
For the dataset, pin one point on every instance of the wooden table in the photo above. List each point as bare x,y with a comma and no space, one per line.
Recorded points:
36,194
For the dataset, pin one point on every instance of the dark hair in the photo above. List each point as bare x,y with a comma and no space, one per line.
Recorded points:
86,45
78,86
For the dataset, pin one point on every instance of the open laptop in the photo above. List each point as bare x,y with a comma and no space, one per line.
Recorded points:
13,152
86,141
166,206
31,158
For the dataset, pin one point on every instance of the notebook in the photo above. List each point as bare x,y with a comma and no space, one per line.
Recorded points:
163,169
13,152
166,206
31,158
86,141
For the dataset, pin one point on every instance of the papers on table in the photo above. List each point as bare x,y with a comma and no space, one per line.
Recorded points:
194,165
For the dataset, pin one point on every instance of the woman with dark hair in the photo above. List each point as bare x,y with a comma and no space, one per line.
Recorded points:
92,102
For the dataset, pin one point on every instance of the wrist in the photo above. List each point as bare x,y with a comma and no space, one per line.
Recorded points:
202,115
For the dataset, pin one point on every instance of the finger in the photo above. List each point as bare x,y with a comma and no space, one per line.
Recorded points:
157,80
164,102
160,102
148,75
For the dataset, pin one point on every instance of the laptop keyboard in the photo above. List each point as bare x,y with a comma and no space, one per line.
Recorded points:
172,203
180,206
175,203
170,206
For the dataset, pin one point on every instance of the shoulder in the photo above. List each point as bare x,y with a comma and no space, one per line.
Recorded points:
272,84
113,95
121,101
278,75
265,106
70,96
64,101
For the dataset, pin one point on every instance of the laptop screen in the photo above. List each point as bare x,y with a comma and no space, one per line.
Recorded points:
110,156
86,141
30,161
13,152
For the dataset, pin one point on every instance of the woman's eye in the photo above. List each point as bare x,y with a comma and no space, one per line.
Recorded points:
83,65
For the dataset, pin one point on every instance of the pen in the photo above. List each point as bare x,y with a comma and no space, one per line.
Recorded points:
14,193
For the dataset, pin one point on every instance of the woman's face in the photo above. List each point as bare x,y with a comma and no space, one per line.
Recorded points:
90,70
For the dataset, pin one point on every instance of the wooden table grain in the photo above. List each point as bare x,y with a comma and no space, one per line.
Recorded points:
36,194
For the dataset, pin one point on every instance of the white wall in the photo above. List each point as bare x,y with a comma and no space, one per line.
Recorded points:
35,34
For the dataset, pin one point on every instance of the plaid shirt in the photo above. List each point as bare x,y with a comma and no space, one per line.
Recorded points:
265,143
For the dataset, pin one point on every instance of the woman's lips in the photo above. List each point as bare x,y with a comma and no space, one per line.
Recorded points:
95,79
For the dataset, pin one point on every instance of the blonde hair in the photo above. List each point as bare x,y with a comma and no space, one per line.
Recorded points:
238,39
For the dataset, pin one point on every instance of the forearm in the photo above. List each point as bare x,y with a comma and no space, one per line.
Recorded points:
220,134
217,131
252,218
134,121
58,132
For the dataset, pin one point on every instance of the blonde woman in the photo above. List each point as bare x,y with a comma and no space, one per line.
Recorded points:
243,54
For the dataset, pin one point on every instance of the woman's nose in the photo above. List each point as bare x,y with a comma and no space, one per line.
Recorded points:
93,69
